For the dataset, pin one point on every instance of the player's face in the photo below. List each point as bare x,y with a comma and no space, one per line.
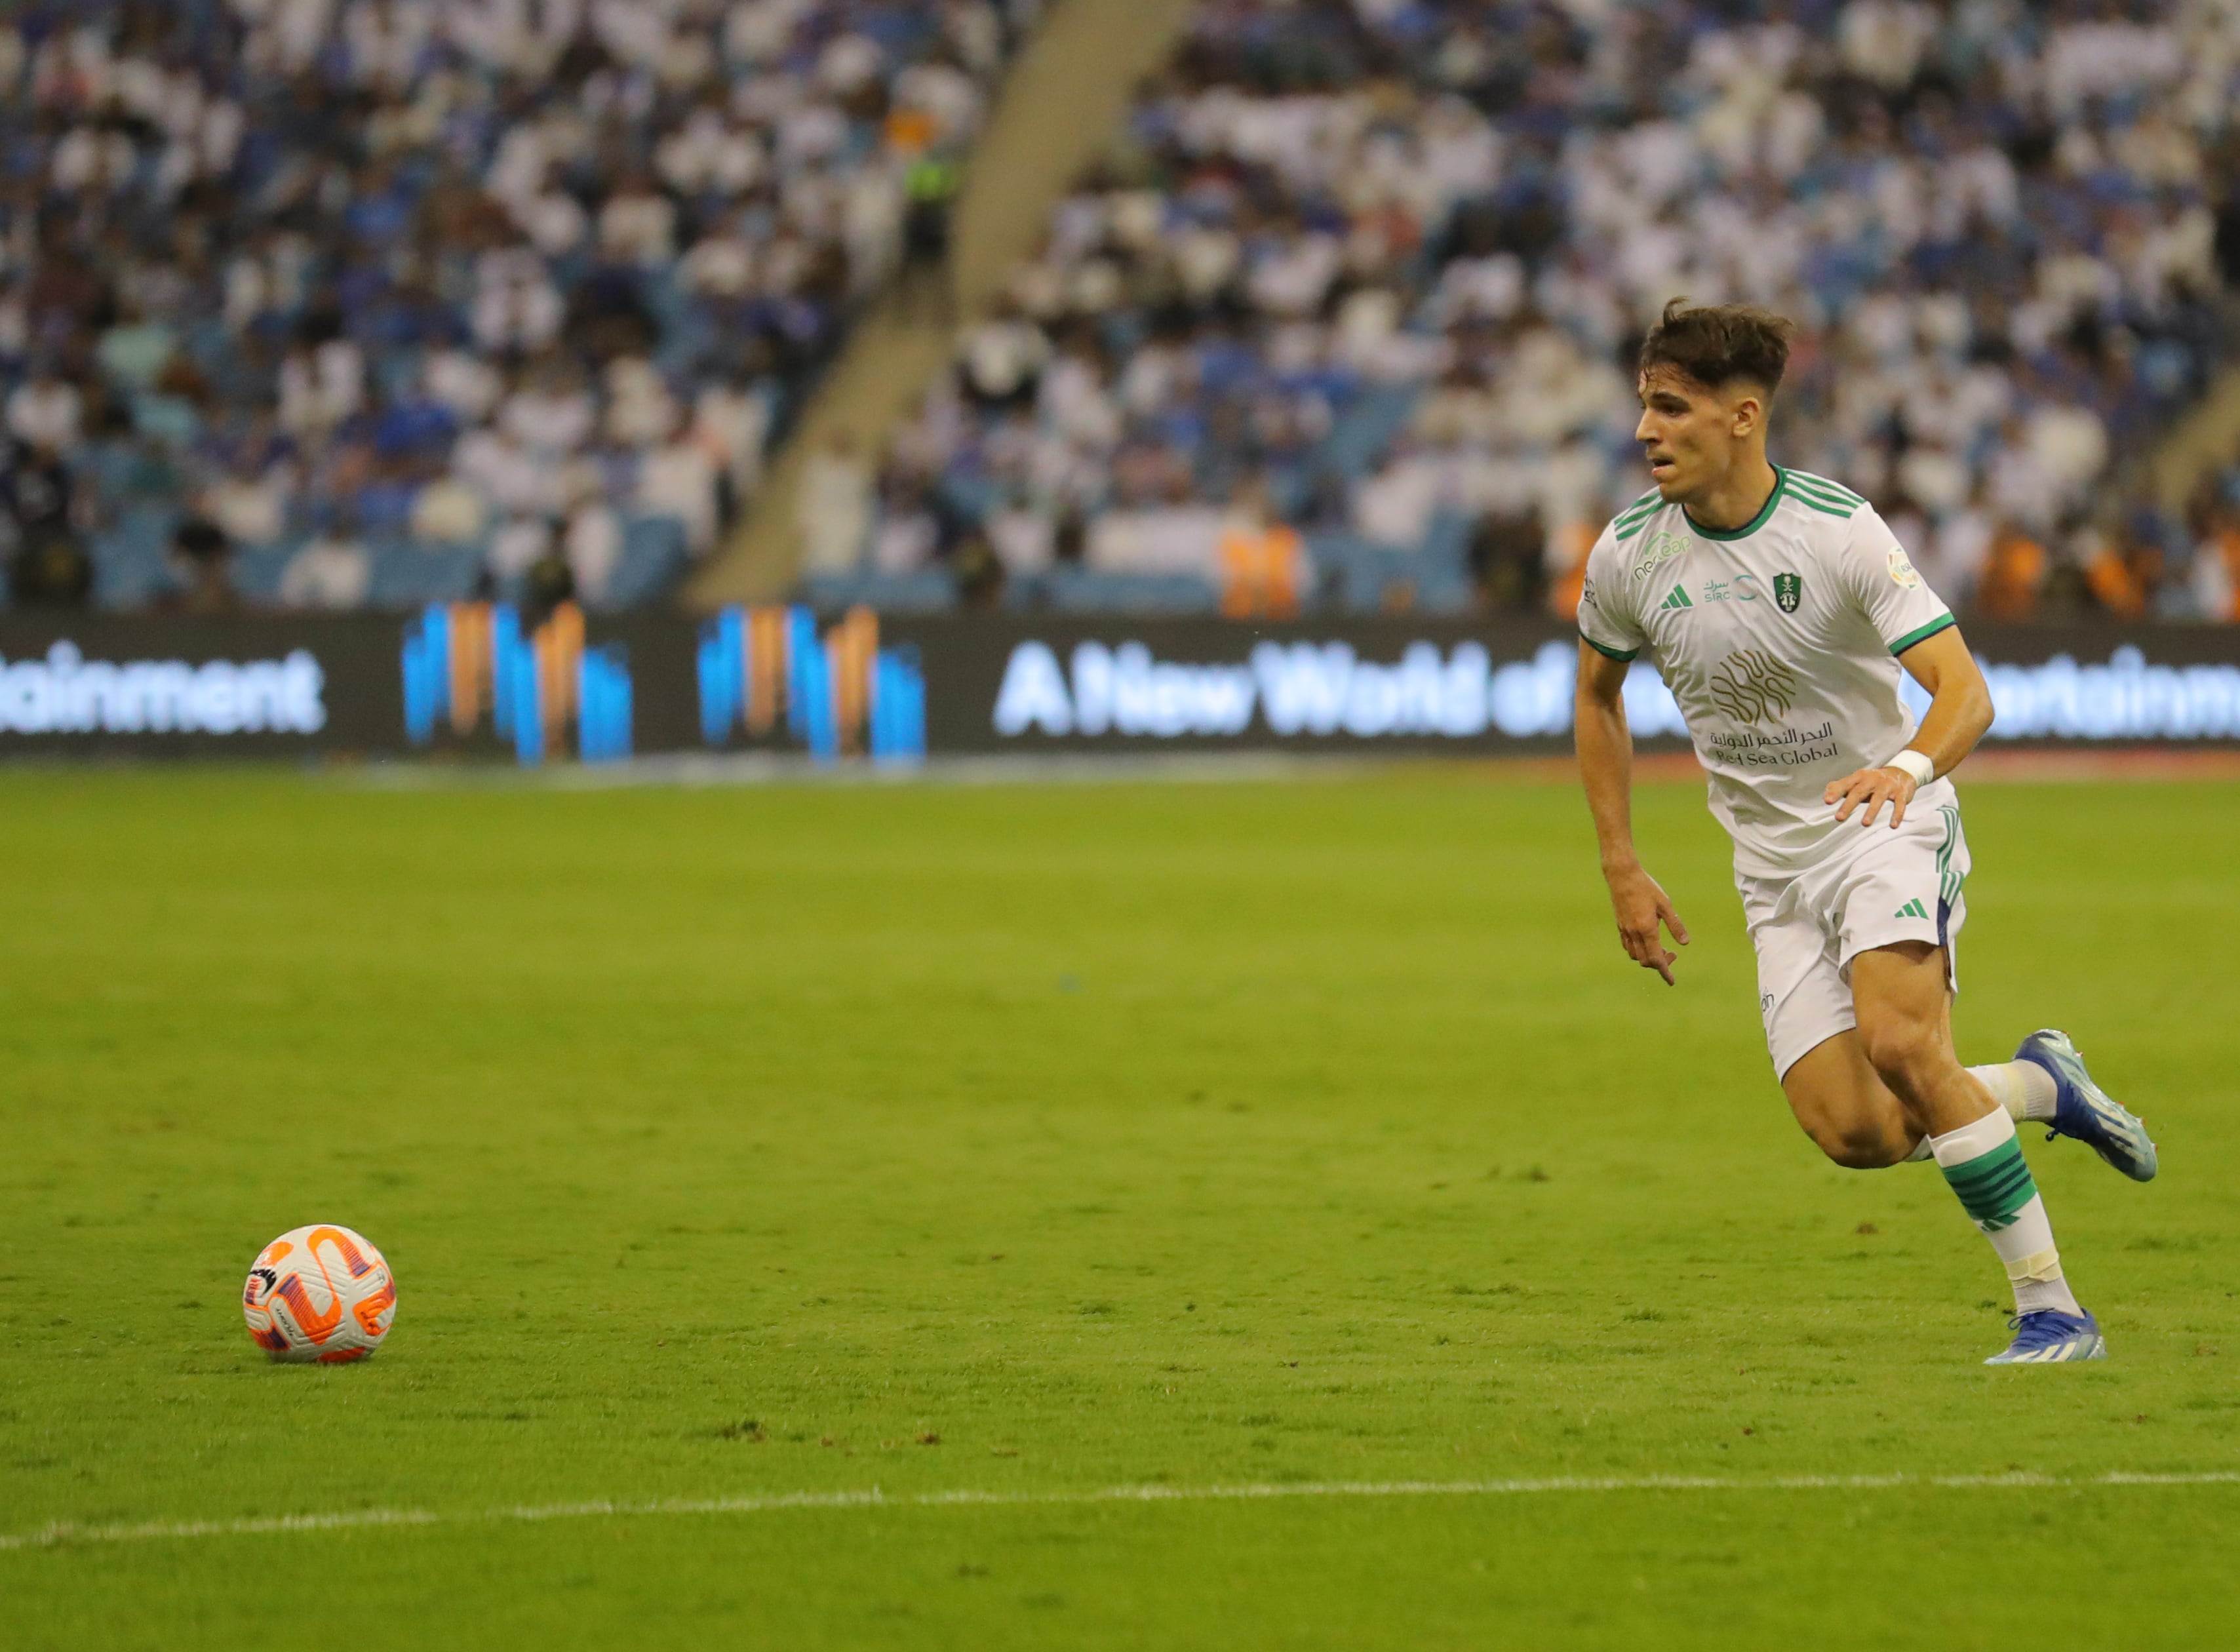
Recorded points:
1690,433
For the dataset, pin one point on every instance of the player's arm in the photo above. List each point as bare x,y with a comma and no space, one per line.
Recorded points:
1959,713
1606,747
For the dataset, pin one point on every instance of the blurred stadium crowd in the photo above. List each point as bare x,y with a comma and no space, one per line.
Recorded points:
345,302
336,302
1373,271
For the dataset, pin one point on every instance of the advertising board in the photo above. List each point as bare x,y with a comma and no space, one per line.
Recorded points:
1426,686
455,682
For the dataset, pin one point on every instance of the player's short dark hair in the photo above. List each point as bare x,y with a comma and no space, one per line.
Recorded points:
1715,344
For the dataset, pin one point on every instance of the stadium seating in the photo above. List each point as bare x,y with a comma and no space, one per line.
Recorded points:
403,276
1383,264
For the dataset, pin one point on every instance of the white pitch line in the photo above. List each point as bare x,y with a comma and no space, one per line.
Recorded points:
62,1534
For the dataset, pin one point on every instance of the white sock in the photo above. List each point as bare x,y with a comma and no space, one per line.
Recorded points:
2023,1088
1984,1163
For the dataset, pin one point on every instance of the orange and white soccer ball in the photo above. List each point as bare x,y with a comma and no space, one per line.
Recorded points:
319,1293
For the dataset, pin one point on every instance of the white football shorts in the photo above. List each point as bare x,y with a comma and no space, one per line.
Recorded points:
1884,888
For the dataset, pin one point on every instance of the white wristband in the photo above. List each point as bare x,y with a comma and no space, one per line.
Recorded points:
1917,764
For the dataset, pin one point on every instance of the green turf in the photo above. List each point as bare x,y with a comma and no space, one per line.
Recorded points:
732,1143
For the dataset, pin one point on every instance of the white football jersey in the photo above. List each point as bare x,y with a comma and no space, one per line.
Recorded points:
1780,641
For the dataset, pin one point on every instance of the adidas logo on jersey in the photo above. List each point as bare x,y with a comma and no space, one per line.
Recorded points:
1677,599
1912,908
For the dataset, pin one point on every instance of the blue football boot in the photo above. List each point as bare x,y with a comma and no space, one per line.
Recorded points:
2087,1112
2049,1337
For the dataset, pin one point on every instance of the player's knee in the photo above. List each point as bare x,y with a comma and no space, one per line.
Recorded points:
1855,1143
1901,1048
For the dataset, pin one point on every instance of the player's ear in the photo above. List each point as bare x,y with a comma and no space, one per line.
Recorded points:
1746,412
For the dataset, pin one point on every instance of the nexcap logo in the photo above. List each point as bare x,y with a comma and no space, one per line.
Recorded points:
1661,548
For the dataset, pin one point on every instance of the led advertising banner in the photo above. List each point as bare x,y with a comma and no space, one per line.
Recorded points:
479,683
1424,686
195,686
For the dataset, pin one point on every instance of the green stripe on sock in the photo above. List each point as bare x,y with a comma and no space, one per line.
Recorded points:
1994,1188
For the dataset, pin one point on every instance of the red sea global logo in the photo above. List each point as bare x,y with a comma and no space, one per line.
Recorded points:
1751,685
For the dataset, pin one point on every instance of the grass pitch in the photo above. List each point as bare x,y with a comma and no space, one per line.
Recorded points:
1030,1143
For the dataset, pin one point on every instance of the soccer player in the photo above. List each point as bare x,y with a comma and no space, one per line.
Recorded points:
1779,608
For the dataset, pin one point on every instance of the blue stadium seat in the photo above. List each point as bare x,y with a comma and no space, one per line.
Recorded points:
1354,569
1088,590
928,591
408,575
653,556
257,570
131,564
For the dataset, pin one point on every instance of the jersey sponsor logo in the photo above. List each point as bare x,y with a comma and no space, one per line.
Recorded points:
1901,570
1741,589
1661,548
1751,685
1788,590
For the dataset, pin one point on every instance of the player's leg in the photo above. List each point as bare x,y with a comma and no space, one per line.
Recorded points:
1810,1029
1924,872
1842,1104
1903,997
1903,1005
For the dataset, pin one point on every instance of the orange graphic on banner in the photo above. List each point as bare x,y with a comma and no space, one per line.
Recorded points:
854,645
559,649
765,668
471,664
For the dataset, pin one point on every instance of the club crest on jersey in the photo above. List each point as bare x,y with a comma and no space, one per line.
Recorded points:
1788,590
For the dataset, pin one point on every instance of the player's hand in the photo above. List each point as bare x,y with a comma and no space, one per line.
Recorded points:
1640,906
1868,790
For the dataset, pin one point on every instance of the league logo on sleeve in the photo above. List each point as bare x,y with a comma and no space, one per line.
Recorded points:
1901,570
1788,590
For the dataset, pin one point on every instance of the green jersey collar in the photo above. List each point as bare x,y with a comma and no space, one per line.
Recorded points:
1780,486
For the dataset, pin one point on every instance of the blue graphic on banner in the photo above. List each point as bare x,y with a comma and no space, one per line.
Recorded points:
761,670
461,659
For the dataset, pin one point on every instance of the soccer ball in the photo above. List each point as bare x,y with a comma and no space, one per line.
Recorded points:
319,1293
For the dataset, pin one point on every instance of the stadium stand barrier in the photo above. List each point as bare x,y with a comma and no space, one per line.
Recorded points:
491,681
